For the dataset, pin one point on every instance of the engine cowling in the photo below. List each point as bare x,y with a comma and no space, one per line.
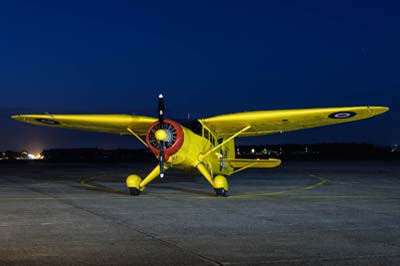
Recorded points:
173,141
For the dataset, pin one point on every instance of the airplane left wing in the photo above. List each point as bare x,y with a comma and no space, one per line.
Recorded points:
105,123
258,123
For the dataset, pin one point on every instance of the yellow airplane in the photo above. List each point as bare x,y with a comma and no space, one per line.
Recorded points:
205,144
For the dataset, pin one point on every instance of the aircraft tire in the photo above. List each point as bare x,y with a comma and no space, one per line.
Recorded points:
134,191
221,192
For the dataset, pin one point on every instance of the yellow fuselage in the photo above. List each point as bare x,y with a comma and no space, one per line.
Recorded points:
188,156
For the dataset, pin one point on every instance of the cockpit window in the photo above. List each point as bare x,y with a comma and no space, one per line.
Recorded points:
197,128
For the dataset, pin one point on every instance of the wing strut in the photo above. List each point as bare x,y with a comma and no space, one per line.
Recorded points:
202,156
137,136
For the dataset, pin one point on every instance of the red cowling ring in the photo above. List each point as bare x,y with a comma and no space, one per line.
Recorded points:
177,144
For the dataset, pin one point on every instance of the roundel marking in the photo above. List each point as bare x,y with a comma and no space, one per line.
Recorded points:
47,121
341,115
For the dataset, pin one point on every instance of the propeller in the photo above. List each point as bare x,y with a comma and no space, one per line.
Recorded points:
164,137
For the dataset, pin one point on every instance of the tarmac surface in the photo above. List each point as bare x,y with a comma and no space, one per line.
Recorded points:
302,213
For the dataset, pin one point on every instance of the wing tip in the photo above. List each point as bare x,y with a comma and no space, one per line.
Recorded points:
27,118
377,110
17,117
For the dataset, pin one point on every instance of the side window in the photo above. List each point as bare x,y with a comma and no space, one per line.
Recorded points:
206,134
214,140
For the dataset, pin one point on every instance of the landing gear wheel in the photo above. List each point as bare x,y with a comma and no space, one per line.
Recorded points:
221,185
221,192
134,191
133,183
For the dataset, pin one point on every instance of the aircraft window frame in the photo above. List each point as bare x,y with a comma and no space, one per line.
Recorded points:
208,134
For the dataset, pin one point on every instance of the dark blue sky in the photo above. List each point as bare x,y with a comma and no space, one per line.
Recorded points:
207,57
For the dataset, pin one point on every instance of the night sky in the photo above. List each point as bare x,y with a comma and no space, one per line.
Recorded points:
206,57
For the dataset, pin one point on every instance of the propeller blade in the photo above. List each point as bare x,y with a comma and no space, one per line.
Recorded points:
161,122
161,110
162,162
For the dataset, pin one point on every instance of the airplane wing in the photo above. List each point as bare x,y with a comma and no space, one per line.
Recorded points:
278,121
106,123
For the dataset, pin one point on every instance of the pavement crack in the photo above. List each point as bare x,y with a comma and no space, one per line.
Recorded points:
121,223
126,225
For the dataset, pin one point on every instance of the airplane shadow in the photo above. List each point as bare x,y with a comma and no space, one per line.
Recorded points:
187,190
90,185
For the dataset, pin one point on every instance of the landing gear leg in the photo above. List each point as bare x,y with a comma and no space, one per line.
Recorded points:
136,184
219,183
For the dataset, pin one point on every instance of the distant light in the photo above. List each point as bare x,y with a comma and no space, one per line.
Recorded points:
253,151
35,156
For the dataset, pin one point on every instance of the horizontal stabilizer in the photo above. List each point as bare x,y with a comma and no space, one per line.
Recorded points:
254,163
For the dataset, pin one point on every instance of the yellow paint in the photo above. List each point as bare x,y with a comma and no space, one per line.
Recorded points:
321,182
202,156
277,121
285,194
108,123
203,170
150,177
256,163
204,153
133,181
221,182
161,135
137,137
